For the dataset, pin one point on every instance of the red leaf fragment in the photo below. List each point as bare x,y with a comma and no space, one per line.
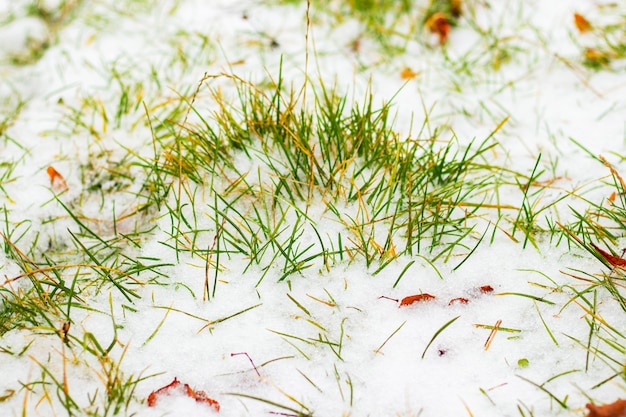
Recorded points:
177,386
581,23
416,298
614,409
616,261
486,289
438,24
56,180
459,300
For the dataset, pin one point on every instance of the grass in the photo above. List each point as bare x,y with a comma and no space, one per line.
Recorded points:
340,155
235,171
601,37
53,19
601,223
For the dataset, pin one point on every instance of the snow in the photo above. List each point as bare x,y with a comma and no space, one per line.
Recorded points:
170,331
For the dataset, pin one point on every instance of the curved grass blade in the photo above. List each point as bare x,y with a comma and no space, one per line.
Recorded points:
441,329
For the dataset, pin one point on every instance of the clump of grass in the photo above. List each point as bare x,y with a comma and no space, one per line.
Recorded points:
604,220
393,195
391,25
379,16
505,38
319,335
29,305
114,397
54,278
11,109
43,299
7,170
601,36
54,18
532,206
598,230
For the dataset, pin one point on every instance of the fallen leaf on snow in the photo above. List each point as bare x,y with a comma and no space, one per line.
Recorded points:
581,23
408,74
460,300
416,298
177,387
612,197
614,409
612,259
56,180
486,288
438,24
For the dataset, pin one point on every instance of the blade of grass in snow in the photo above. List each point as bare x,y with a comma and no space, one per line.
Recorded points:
560,402
378,349
437,333
545,325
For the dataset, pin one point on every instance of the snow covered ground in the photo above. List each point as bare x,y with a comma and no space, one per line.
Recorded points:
332,339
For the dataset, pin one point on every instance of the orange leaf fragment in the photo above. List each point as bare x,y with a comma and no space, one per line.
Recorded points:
416,298
616,261
614,409
581,23
56,180
459,300
408,74
486,289
177,386
438,24
596,58
612,197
